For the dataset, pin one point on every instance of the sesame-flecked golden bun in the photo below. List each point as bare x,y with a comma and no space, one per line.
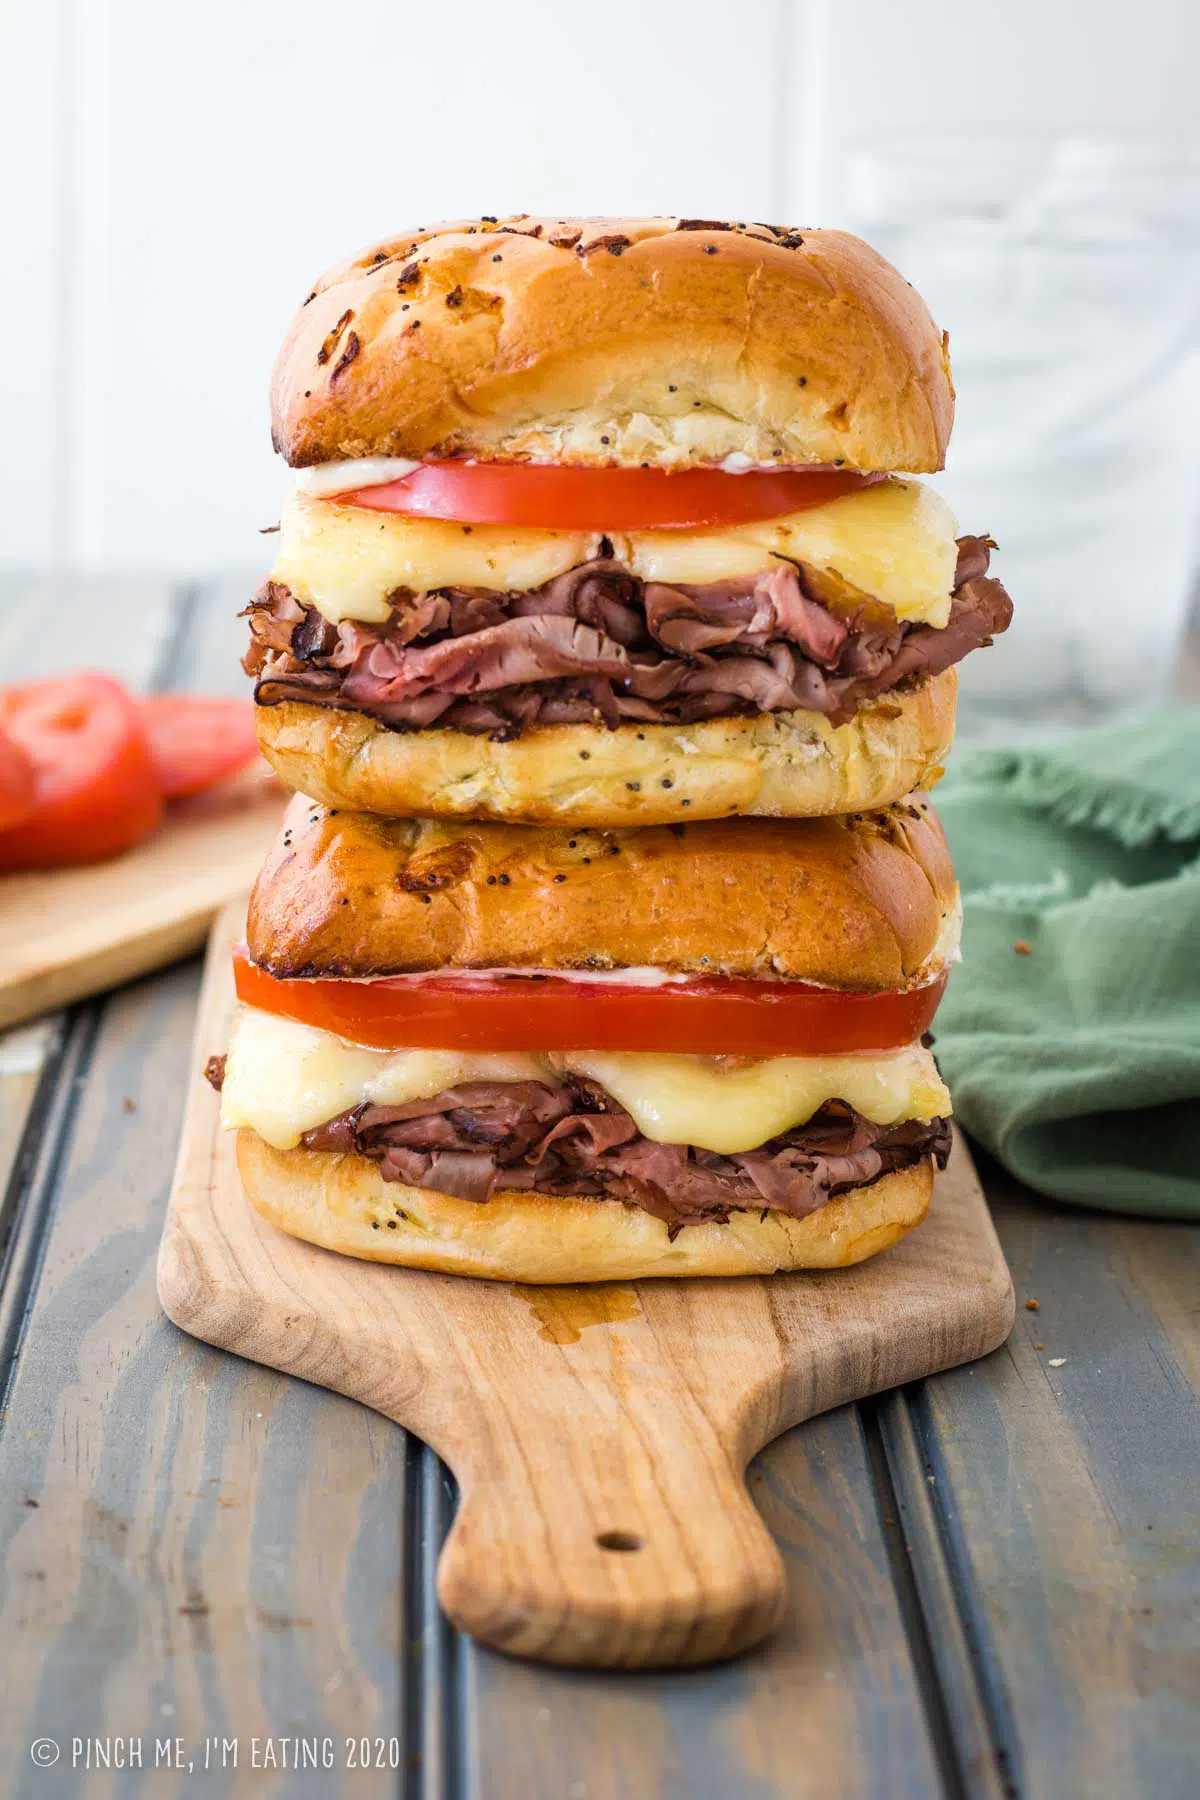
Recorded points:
855,902
665,342
789,765
343,1203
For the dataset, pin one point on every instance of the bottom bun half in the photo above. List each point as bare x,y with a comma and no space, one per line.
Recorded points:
342,1203
790,765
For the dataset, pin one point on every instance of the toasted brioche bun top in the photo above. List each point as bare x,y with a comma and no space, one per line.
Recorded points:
668,342
855,902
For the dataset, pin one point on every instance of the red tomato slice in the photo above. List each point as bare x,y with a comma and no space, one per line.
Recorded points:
570,499
196,742
96,792
720,1017
18,783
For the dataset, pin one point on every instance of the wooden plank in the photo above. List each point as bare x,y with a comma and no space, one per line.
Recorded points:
974,1733
121,624
189,1544
443,1748
211,638
1065,1470
23,1055
572,1417
48,1111
148,630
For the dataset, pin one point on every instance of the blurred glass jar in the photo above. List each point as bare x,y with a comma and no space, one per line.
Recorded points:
1067,272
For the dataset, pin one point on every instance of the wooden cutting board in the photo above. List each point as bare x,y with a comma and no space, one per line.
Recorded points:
65,933
599,1434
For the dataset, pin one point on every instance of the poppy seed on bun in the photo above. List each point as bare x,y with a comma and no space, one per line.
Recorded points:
781,765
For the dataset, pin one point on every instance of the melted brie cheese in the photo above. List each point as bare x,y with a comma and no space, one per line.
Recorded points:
732,1105
283,1078
345,560
894,541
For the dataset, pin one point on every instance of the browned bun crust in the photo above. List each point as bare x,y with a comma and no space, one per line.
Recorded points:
854,902
791,765
596,341
343,1203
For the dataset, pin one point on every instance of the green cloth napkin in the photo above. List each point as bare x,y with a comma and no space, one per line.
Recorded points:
1078,1064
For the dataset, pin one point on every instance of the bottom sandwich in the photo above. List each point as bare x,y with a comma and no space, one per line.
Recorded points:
548,1056
344,1203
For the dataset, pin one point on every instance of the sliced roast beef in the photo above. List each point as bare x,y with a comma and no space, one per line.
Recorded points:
572,1139
974,554
512,654
600,594
689,620
597,645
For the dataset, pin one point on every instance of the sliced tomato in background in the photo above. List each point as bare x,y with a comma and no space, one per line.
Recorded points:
96,790
196,741
18,782
570,499
712,1017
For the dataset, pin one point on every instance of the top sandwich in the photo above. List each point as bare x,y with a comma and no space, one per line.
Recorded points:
603,522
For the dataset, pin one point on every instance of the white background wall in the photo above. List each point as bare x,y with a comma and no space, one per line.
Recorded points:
175,174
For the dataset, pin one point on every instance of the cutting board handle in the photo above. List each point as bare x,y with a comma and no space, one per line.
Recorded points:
621,1541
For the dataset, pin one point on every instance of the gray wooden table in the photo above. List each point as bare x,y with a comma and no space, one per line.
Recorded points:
993,1575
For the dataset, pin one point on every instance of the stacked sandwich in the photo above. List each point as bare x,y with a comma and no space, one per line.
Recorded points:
609,649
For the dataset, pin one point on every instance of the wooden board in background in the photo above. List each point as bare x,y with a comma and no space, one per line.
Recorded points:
599,1434
66,933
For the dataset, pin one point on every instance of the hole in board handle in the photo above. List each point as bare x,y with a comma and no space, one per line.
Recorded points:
619,1540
